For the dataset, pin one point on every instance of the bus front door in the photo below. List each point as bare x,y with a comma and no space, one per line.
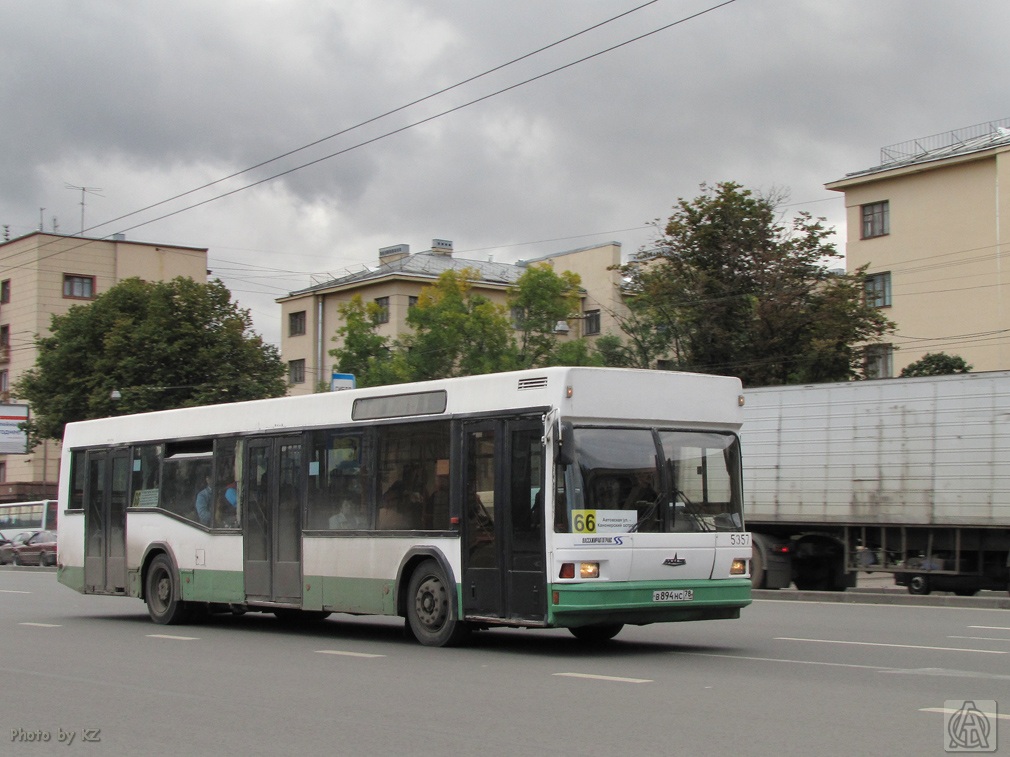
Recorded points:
272,529
504,574
105,521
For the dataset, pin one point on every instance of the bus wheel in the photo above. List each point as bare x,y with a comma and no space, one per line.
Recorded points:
430,612
162,594
597,634
918,585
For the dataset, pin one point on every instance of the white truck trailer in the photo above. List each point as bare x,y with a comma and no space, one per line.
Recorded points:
903,476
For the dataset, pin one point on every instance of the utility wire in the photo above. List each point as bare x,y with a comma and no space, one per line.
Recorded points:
380,116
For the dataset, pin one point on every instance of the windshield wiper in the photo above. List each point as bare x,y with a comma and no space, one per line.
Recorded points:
692,510
649,513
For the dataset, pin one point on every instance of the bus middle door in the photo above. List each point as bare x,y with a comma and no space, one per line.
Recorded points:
272,526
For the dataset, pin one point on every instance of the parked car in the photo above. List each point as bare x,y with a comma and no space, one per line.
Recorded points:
38,549
7,546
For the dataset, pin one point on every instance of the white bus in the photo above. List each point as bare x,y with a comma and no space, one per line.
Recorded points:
24,517
583,498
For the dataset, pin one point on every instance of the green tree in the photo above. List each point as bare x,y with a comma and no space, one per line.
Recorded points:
362,350
576,352
159,345
456,332
936,364
734,291
538,301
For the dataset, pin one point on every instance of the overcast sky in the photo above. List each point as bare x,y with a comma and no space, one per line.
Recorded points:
141,102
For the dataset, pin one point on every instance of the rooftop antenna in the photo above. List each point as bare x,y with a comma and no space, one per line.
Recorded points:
88,190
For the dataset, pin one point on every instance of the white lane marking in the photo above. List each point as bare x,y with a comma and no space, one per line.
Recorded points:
900,646
950,711
347,654
13,591
991,628
880,668
173,638
979,638
594,677
40,625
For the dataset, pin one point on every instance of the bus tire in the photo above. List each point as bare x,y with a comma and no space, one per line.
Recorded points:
162,594
430,612
597,634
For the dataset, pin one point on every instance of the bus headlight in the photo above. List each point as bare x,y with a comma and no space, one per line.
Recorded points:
739,567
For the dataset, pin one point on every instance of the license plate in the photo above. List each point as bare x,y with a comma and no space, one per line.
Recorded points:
673,595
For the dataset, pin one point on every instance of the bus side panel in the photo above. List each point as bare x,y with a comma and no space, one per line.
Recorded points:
210,564
358,574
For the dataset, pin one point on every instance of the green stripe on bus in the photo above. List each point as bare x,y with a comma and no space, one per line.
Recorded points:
212,585
369,596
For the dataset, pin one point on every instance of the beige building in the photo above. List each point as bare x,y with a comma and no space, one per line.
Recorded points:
310,317
932,223
42,275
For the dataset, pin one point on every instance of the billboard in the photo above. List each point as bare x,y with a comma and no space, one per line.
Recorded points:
13,440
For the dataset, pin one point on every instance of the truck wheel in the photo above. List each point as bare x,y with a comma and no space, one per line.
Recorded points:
758,577
919,585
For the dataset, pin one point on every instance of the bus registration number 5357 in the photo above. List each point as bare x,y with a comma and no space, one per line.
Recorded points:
673,595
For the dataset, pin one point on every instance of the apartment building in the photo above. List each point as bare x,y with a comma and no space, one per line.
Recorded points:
932,223
310,317
42,275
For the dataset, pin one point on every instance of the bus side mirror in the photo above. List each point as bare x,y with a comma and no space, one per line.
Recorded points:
565,453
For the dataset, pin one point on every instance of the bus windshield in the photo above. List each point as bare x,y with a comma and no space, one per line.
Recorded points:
626,480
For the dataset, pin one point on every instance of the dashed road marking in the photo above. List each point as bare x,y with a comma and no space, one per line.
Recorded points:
900,646
171,637
342,653
594,677
951,711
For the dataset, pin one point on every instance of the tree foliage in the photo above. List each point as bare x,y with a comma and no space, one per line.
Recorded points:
362,351
160,345
936,364
456,332
540,299
731,290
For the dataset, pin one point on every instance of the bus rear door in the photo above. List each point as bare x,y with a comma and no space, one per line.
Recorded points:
105,521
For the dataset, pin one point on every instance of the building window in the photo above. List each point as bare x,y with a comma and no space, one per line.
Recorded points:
296,372
876,219
412,301
877,290
5,291
592,319
296,323
878,361
5,343
78,287
383,315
